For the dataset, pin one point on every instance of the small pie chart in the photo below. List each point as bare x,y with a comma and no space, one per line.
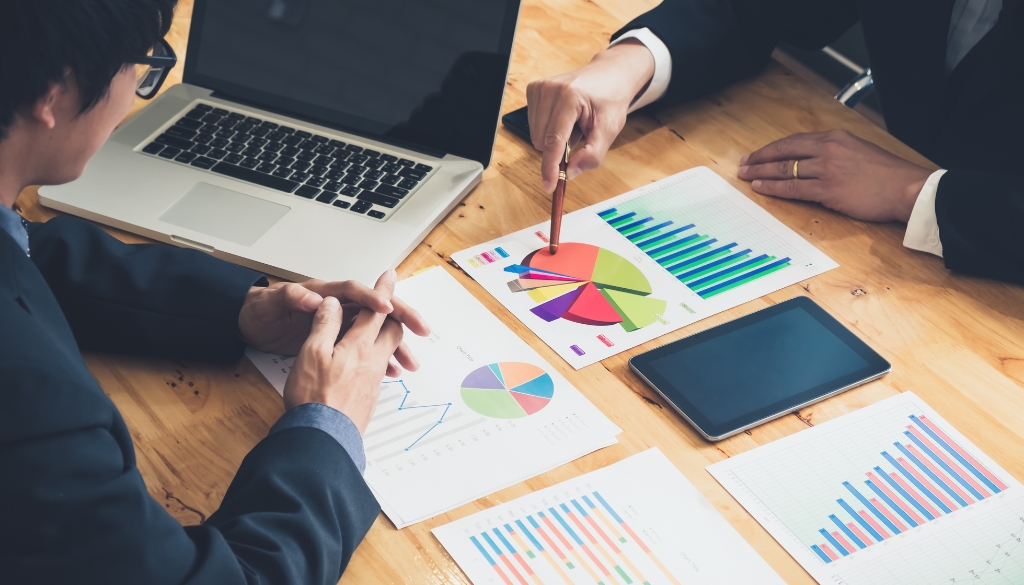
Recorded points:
508,390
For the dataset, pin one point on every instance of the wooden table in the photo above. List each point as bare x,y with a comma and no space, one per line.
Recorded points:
957,342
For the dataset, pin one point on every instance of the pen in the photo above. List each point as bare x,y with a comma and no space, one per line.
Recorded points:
557,202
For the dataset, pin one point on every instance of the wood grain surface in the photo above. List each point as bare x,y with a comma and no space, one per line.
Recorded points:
957,342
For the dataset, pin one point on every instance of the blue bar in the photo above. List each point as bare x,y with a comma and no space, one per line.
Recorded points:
664,235
846,530
580,508
606,212
507,544
924,490
497,550
697,259
821,553
659,250
679,253
482,550
636,223
533,522
643,233
758,270
529,535
727,269
831,540
899,509
501,252
953,472
871,508
565,526
874,533
607,507
621,217
913,501
956,455
920,464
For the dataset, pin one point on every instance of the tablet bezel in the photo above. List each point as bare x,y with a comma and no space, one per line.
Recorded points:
877,367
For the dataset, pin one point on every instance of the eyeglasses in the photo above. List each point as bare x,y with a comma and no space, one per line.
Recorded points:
151,70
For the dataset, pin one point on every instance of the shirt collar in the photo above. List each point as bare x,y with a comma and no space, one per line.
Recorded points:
13,224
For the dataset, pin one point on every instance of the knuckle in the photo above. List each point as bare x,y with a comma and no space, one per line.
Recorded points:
783,167
789,187
781,145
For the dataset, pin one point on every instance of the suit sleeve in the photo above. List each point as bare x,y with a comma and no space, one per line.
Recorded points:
980,215
716,42
145,299
76,508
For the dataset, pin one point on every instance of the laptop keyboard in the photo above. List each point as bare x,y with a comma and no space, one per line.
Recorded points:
331,172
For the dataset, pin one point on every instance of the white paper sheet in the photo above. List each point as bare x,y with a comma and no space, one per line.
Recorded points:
635,521
889,494
694,247
459,429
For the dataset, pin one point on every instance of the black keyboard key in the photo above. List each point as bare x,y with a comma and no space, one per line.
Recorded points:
332,186
200,149
342,204
269,126
323,160
179,143
236,116
350,179
217,153
354,148
412,174
341,155
276,135
153,148
282,172
203,139
362,206
299,176
253,121
375,214
305,155
209,129
251,151
373,175
357,170
388,158
303,134
374,163
406,162
390,191
189,124
336,143
289,150
308,145
317,170
179,132
186,157
227,124
220,111
326,197
334,174
350,191
211,118
292,140
286,129
319,139
307,191
324,149
271,146
255,177
368,184
424,168
249,163
234,158
256,141
390,179
204,162
220,142
358,159
407,184
371,153
170,152
260,131
244,128
381,200
242,138
339,166
267,156
316,181
235,147
227,134
391,168
286,161
204,107
301,165
195,114
266,167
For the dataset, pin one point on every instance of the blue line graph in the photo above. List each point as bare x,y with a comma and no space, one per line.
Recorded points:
447,406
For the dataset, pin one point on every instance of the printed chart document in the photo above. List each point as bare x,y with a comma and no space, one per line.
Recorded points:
890,494
484,411
636,521
641,265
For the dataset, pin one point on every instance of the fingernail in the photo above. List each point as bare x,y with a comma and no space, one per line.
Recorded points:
756,184
331,304
547,186
743,160
312,300
572,173
744,169
393,274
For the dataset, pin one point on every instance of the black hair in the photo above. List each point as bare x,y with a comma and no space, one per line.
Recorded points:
40,40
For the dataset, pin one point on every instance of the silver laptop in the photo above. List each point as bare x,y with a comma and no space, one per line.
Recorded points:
310,138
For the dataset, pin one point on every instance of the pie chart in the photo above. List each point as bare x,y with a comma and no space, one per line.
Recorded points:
507,390
587,284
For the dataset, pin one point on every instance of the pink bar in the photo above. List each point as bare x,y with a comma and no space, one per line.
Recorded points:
828,551
488,257
967,475
949,480
863,537
909,511
963,453
873,524
846,543
935,490
913,493
888,515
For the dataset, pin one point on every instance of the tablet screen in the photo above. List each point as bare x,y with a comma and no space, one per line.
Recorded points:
740,372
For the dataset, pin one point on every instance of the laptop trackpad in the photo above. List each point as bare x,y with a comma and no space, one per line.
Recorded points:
225,214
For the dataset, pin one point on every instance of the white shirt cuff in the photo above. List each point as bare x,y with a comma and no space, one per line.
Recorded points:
923,227
662,66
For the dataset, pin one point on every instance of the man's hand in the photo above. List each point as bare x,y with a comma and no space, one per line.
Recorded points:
840,171
594,99
344,374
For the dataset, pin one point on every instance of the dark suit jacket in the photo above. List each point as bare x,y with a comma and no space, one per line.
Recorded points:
73,507
970,121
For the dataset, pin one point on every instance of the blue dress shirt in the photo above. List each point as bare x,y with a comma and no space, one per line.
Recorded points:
13,224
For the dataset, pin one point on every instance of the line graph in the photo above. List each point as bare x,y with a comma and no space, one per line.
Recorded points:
447,406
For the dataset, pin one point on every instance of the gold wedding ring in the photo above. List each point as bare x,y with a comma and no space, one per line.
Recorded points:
796,173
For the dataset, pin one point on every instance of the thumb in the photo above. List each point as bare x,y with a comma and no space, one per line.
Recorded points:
591,155
326,324
299,298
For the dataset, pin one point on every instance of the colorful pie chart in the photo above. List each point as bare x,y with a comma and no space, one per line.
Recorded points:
587,284
508,390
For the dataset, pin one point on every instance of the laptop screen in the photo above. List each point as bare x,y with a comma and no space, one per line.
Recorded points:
427,74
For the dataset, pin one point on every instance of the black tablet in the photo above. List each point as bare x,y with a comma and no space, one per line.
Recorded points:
745,372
